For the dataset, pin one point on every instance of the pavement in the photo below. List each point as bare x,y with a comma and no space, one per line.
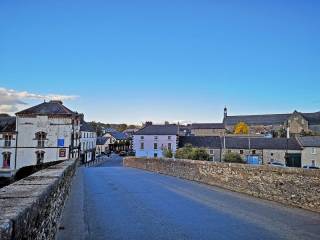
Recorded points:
109,201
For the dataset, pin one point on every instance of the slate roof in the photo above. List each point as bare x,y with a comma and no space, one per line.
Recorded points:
201,141
261,143
86,127
7,124
207,126
102,140
119,135
158,130
47,108
310,141
270,119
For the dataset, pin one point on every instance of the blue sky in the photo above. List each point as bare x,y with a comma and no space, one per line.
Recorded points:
131,61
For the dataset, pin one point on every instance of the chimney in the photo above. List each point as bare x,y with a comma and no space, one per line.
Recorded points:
225,112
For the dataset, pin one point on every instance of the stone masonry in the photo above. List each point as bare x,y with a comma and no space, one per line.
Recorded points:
290,186
31,208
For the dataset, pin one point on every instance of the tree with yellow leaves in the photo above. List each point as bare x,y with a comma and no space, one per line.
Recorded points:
241,128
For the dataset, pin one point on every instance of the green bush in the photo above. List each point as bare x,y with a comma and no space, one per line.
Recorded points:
233,158
167,153
193,153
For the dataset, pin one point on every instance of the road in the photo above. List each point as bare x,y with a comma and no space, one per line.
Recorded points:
113,202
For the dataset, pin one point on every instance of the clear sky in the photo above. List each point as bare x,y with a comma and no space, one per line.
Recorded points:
136,60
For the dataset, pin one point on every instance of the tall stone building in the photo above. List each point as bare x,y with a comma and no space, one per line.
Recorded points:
297,122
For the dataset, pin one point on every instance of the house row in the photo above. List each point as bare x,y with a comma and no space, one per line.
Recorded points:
152,140
43,133
113,140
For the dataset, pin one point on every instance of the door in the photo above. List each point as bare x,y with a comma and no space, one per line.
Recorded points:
293,160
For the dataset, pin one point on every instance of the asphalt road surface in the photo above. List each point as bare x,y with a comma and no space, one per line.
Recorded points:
112,202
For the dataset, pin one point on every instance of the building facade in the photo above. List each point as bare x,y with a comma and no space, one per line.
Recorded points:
44,133
207,129
311,151
152,140
88,140
8,136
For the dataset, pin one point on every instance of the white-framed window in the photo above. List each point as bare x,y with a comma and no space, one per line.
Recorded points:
7,140
169,146
41,137
169,137
142,137
155,137
211,152
314,151
142,146
155,146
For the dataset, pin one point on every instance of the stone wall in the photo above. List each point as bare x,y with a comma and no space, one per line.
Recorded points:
31,208
291,186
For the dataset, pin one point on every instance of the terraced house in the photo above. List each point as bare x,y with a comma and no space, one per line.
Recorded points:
44,133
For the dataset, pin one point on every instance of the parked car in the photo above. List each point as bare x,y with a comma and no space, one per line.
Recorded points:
310,167
123,153
277,164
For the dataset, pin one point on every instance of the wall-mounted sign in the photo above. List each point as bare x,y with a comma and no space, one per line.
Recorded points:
62,153
60,142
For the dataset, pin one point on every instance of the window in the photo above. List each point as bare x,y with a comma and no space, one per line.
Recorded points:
40,157
142,146
211,152
169,137
155,155
155,137
6,160
314,151
241,152
253,152
169,146
41,137
155,146
313,163
7,140
142,137
272,154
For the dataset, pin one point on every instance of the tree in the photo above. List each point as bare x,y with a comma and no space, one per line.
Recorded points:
122,127
241,128
167,153
232,157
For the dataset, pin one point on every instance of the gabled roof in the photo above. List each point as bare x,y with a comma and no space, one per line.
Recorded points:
102,140
7,124
109,130
48,108
86,127
268,119
158,130
119,135
261,143
201,141
207,126
310,141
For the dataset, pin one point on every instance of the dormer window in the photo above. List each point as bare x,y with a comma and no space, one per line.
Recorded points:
41,138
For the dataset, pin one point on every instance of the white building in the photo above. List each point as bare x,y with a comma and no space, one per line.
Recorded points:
44,133
87,142
151,140
102,145
8,137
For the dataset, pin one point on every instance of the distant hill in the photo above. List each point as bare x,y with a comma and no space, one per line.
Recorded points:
119,127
